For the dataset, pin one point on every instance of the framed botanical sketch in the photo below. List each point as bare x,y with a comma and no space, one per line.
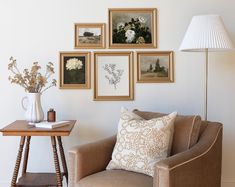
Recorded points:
155,66
75,70
89,35
113,78
132,28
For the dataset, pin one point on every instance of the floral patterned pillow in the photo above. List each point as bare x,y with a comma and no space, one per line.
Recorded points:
141,143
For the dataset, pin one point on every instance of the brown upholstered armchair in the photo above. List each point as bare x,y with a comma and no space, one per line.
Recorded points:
195,160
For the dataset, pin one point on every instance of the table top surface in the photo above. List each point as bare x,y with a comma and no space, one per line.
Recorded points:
22,128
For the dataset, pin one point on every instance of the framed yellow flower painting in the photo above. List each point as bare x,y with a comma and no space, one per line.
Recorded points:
132,28
75,70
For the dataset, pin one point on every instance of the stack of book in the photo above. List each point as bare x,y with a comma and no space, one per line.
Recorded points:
51,125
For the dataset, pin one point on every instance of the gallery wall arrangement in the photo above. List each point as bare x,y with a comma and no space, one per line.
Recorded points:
128,28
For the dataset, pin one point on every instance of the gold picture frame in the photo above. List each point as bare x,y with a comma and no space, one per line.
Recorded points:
75,70
124,23
155,67
89,35
113,76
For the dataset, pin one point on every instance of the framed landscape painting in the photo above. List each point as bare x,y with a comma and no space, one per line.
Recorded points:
156,66
89,35
132,28
113,78
74,70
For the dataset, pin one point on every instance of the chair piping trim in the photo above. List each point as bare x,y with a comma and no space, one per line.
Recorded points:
196,156
191,131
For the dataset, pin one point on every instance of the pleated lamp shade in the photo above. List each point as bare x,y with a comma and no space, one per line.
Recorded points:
206,32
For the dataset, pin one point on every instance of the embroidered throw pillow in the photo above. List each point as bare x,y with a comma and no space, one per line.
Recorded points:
141,143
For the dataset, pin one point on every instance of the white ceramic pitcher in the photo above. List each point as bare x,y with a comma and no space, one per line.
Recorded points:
33,109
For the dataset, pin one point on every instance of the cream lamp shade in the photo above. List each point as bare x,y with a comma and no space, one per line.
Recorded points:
206,32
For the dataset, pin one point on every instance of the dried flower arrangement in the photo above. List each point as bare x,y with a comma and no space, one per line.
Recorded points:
31,80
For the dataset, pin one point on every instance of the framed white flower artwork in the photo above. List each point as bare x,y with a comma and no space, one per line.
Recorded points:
132,28
75,70
113,76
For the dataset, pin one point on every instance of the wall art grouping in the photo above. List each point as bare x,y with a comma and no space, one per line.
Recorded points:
128,28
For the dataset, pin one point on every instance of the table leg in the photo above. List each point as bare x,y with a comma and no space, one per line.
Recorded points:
26,155
18,161
56,161
64,164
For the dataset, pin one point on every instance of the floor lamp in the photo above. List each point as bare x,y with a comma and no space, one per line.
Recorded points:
206,33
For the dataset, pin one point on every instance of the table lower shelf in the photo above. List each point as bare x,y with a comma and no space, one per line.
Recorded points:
38,180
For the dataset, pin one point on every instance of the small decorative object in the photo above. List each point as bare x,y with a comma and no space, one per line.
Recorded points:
51,115
156,66
34,84
75,70
89,35
113,77
132,28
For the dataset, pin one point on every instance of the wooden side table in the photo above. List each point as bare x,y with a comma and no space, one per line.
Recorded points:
21,128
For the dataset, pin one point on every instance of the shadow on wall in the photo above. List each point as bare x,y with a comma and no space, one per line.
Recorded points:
84,133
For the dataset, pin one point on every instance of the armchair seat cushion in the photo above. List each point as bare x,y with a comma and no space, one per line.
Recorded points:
116,178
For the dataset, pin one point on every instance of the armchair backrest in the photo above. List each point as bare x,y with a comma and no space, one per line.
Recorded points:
186,133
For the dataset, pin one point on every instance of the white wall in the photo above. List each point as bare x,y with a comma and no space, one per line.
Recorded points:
33,30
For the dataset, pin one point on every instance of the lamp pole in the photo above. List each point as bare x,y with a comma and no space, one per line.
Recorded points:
206,86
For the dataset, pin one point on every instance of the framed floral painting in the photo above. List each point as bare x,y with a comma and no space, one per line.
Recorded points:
89,35
132,28
113,78
155,66
75,70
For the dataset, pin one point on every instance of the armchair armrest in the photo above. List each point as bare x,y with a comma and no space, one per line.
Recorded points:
196,167
89,158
